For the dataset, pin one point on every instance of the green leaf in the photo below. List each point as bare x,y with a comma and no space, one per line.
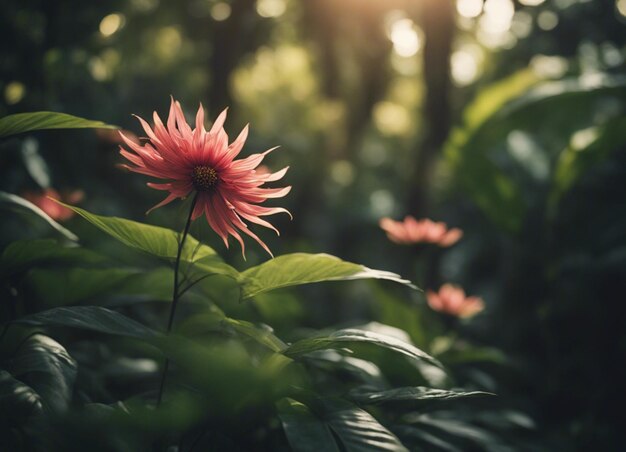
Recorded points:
344,338
262,334
486,163
13,201
91,318
357,429
305,432
24,254
415,394
302,268
18,401
575,160
48,368
69,286
39,120
158,241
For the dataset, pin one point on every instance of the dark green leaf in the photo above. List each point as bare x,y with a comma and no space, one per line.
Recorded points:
18,401
13,201
39,120
92,318
24,254
262,334
343,338
305,432
48,368
358,430
301,268
414,394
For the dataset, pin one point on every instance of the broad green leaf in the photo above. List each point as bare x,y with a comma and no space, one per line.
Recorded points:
494,166
586,148
302,268
357,429
69,286
39,120
415,394
360,370
48,368
24,254
158,241
13,201
305,431
91,318
344,338
262,334
18,401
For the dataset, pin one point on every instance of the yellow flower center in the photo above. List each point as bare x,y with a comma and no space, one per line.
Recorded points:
204,178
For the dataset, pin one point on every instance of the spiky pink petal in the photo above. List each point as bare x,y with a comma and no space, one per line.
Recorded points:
190,160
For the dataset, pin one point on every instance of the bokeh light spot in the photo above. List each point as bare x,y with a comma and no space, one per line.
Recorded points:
406,41
111,24
547,20
469,8
271,8
220,11
14,92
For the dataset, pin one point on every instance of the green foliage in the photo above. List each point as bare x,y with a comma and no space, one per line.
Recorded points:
40,120
496,142
14,202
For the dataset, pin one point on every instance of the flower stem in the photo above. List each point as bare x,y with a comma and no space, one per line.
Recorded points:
175,293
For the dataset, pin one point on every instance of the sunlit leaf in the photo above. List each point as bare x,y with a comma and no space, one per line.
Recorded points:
39,120
344,338
9,200
261,334
158,241
302,268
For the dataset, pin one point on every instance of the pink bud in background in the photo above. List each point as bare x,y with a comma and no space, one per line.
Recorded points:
451,300
411,231
42,199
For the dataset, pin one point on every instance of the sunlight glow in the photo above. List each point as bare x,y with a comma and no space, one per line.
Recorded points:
498,16
547,20
271,8
620,5
405,39
220,11
14,92
111,24
464,66
469,8
531,2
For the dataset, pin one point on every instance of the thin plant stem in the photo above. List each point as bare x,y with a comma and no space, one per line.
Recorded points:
175,294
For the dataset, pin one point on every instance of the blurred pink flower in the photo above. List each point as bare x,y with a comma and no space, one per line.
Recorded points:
194,161
411,231
55,210
451,300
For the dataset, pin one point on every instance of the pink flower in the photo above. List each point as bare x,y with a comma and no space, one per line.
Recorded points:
194,161
55,210
451,300
411,231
